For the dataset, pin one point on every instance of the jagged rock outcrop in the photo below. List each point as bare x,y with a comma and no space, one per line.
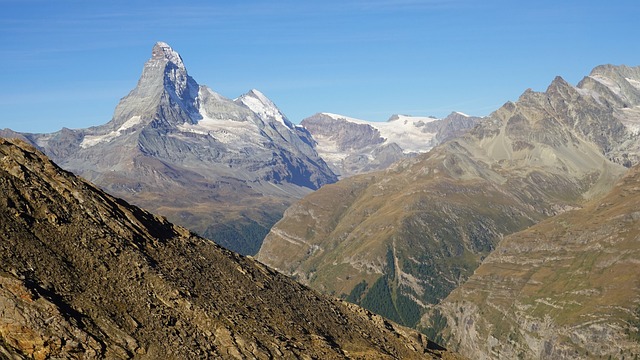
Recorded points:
351,146
401,240
224,168
86,275
566,288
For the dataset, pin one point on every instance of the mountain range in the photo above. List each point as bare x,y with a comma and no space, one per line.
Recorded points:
224,168
509,236
399,241
353,146
86,275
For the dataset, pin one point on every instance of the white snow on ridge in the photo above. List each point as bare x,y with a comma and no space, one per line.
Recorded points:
635,83
231,132
135,120
406,131
613,86
170,54
587,92
409,118
265,108
92,140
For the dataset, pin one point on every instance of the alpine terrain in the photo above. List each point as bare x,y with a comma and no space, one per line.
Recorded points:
566,288
352,146
86,275
224,168
400,240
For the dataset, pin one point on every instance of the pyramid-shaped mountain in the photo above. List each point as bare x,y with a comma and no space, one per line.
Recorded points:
224,168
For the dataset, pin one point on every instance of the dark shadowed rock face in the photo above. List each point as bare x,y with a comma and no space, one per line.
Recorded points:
86,275
186,152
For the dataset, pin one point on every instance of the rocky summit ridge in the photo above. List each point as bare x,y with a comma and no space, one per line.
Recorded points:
86,275
400,240
224,168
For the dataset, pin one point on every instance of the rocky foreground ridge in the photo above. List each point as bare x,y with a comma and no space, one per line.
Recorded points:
86,275
224,168
400,240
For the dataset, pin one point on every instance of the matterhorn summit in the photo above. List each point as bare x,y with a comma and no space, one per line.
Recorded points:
163,52
165,92
215,165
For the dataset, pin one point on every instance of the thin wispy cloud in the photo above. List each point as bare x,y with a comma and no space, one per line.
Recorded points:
374,56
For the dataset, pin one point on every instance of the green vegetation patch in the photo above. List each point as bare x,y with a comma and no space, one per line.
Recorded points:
242,235
633,327
378,299
356,294
437,324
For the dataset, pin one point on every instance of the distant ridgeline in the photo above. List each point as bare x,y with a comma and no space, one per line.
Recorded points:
400,240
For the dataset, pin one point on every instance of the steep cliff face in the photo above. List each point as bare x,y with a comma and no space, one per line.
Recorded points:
400,240
566,288
86,275
225,168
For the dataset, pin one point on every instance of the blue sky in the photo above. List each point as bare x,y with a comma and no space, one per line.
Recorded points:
67,63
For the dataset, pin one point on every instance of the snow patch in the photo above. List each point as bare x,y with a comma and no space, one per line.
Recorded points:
135,120
406,131
635,83
231,132
265,108
612,85
92,140
589,93
414,119
168,53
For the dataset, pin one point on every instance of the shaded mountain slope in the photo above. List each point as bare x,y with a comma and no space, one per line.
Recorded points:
86,275
224,168
566,288
400,240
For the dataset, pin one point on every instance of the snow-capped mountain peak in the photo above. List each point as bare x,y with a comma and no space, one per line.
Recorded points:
257,102
164,84
187,151
163,52
352,146
409,132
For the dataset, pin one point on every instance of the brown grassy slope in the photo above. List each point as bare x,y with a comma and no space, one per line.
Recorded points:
567,287
425,224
